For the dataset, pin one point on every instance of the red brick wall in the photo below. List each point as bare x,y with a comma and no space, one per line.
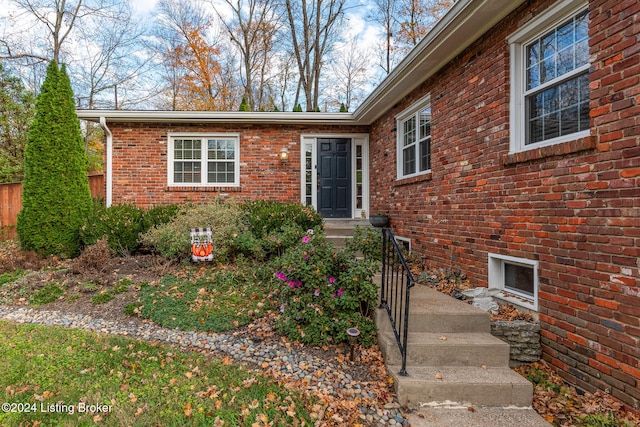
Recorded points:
140,162
574,207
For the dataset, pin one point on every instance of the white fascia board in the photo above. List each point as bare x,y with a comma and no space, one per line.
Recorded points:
463,24
113,116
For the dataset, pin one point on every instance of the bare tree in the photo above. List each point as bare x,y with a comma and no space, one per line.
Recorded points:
385,14
253,30
350,71
110,63
53,22
313,24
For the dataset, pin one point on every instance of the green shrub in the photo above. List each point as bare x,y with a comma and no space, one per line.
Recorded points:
121,224
323,292
367,241
267,216
56,196
279,225
158,215
173,240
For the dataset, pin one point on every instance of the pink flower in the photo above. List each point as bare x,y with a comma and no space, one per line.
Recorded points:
282,308
291,285
310,231
281,276
305,239
332,280
340,292
317,292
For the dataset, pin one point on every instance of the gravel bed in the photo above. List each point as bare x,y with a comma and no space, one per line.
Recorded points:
315,373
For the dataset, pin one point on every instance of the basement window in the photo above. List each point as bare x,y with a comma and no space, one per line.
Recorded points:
404,244
517,278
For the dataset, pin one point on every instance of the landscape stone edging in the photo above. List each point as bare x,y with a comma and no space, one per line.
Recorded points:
523,338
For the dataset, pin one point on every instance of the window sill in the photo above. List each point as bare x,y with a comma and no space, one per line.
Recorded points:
203,189
516,300
561,149
413,180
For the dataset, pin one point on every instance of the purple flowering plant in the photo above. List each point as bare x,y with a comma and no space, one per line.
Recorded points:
322,291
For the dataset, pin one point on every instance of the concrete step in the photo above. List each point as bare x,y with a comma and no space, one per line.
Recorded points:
481,416
345,222
472,385
469,367
431,311
446,349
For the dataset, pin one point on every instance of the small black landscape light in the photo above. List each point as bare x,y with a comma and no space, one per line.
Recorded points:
353,333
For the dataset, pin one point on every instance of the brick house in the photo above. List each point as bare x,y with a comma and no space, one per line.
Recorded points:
507,145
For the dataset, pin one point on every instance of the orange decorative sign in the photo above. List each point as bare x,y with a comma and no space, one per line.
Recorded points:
201,244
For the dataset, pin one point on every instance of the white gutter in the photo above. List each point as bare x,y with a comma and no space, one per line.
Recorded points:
108,162
217,117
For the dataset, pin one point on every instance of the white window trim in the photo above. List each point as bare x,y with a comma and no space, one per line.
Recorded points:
415,108
546,21
203,136
496,280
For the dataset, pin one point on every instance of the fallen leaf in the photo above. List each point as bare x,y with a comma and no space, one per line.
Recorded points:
188,412
438,376
442,338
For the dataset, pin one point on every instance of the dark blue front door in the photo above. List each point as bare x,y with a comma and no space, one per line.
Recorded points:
334,177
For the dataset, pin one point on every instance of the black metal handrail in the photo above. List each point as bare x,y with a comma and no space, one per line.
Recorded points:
397,282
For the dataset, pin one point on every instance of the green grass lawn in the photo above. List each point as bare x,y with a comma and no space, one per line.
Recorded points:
139,383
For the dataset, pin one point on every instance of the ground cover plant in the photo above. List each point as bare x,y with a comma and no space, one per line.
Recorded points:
140,383
211,301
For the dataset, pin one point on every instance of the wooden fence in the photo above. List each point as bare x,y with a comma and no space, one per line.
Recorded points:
11,203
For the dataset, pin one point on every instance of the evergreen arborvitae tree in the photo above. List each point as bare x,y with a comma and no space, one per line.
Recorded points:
343,109
55,197
297,109
244,105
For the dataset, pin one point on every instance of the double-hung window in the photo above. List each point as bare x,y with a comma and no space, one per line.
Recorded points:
550,78
204,160
414,140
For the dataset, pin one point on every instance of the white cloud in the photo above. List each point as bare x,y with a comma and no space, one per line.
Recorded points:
143,7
